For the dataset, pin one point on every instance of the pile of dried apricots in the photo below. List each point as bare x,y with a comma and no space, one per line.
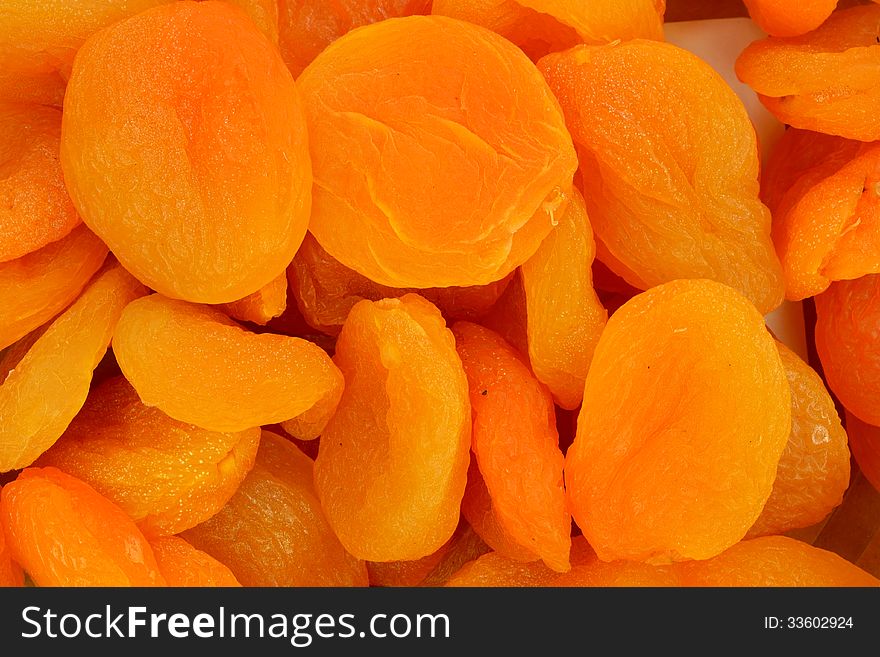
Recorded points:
401,292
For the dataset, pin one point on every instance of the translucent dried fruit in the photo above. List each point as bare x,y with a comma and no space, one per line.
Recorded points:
686,413
38,286
440,155
166,475
10,572
392,462
183,565
200,367
508,317
826,80
187,157
774,561
64,533
310,424
465,545
516,445
864,441
264,14
273,531
326,290
38,41
813,472
34,206
847,324
787,18
406,573
618,574
494,569
824,193
308,26
49,384
564,316
543,26
478,510
669,163
265,304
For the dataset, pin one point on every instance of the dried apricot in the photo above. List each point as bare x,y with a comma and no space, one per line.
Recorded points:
494,569
198,366
686,413
669,162
813,472
308,26
64,533
847,325
465,545
50,382
543,26
516,445
826,80
183,565
166,475
392,462
36,287
440,155
264,14
785,18
478,510
774,561
326,290
618,574
825,194
564,317
38,41
864,441
265,304
273,531
406,573
188,157
34,206
10,572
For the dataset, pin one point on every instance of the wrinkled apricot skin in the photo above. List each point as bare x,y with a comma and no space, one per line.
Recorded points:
813,471
669,163
516,445
864,441
198,366
188,158
440,155
464,546
766,561
11,574
785,18
183,565
494,569
264,14
306,27
478,510
774,561
564,317
825,80
38,286
543,26
273,531
38,41
34,206
267,303
847,324
166,475
49,384
64,533
824,193
686,413
392,463
326,290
